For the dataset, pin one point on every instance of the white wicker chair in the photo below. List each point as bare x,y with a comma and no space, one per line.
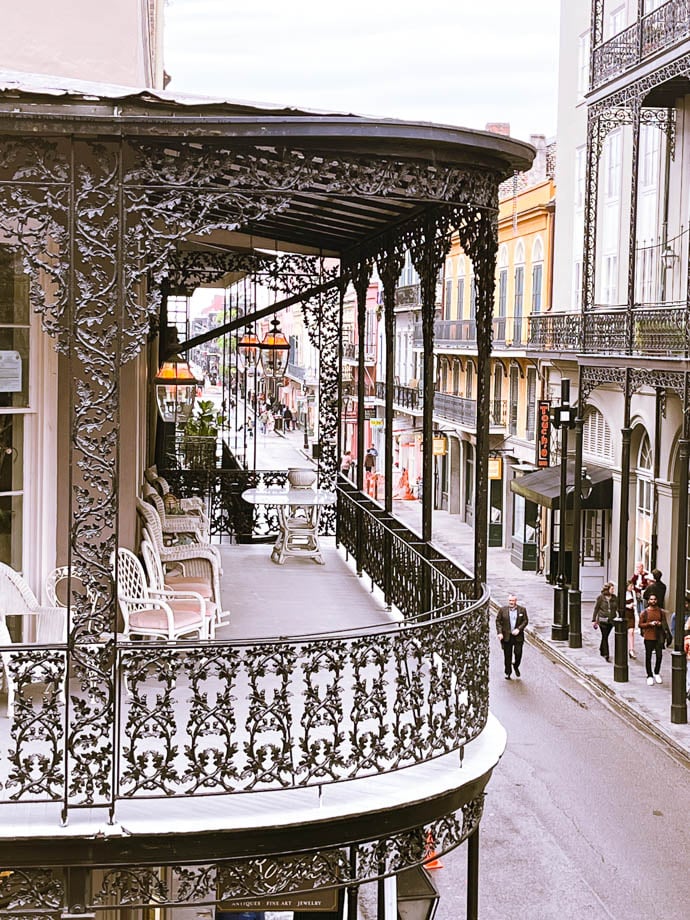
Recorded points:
48,627
192,505
174,525
179,587
145,612
196,560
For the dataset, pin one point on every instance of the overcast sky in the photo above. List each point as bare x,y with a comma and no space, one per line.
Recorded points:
458,62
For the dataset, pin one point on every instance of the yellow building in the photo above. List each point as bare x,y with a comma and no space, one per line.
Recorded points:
523,288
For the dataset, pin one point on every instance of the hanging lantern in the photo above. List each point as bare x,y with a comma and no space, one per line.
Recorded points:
249,345
275,350
175,390
440,445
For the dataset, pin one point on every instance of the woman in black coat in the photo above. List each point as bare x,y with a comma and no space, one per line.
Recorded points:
605,610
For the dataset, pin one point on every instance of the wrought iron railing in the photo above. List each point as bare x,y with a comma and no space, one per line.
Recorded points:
657,329
507,331
654,32
221,718
403,397
464,411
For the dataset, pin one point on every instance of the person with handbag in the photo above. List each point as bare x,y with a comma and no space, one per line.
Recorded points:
605,610
651,627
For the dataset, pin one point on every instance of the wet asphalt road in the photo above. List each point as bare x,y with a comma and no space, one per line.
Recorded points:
584,817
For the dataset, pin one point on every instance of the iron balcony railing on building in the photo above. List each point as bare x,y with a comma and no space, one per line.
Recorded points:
408,295
654,32
507,332
652,329
403,397
463,411
229,717
351,352
295,372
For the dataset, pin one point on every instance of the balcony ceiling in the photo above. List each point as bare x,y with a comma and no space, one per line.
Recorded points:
315,220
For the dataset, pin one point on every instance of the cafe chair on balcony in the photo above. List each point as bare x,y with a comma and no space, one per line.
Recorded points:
195,560
176,525
178,587
149,614
47,626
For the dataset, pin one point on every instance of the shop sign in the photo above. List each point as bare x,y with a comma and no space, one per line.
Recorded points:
376,423
495,468
324,900
543,433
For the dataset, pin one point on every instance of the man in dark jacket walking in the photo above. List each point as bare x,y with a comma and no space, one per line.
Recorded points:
511,621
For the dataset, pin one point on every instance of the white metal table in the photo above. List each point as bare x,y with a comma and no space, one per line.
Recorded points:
299,514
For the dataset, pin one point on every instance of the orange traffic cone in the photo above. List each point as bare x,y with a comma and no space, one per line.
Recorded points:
432,861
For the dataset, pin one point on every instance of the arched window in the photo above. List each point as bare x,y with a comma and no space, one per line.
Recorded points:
469,381
500,321
596,436
498,413
645,503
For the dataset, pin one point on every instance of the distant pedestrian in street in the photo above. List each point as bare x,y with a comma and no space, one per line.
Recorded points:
370,460
630,612
604,614
287,418
511,621
651,620
346,462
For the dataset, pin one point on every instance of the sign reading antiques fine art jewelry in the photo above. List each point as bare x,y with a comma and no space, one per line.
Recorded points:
543,433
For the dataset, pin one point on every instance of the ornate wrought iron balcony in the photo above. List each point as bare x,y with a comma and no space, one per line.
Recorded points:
237,717
659,330
656,31
461,334
464,411
409,398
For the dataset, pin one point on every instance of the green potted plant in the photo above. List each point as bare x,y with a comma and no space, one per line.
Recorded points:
201,435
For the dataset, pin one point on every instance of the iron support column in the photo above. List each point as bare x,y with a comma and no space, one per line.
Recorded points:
679,707
559,628
620,659
473,875
574,595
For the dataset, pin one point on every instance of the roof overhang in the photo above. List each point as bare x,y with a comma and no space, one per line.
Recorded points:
544,487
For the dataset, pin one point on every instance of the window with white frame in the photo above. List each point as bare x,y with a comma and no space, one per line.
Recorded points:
610,279
596,436
448,298
14,402
580,176
577,284
612,165
582,64
616,21
518,291
531,413
650,150
537,274
644,504
469,381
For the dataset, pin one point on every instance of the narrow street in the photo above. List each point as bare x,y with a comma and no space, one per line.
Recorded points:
584,818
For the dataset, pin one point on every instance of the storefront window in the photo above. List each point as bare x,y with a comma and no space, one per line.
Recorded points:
645,503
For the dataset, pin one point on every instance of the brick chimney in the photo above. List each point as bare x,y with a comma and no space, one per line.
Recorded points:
498,127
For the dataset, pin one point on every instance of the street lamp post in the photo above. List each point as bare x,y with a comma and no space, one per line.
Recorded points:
562,418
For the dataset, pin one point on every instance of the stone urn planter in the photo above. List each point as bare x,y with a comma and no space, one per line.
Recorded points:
301,478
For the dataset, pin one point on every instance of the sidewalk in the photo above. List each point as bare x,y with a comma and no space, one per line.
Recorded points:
648,707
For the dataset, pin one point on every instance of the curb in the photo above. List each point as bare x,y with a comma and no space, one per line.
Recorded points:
639,721
615,701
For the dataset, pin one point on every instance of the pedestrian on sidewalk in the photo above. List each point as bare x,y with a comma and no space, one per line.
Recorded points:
604,614
640,579
346,462
511,621
651,620
630,612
